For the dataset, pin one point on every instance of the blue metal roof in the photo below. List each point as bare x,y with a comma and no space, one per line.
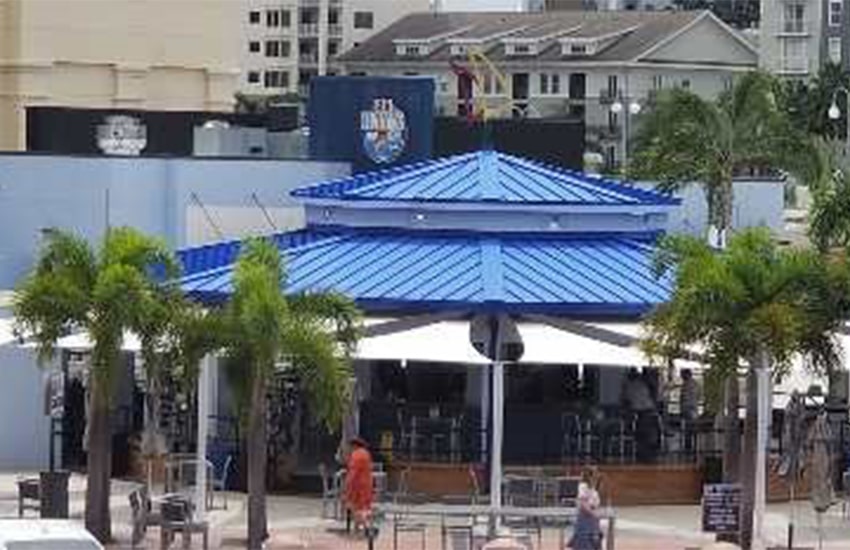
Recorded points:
607,274
484,176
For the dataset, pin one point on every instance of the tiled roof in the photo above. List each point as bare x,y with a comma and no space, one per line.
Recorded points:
648,29
422,271
484,176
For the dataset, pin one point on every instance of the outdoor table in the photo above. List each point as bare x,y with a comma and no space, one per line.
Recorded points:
464,510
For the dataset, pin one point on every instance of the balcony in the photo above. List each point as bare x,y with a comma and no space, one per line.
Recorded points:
608,96
794,65
793,27
311,30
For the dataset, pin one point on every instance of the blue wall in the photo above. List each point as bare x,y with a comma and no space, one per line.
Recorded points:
154,195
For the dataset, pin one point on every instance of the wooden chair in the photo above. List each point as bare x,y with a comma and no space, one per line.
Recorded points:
177,518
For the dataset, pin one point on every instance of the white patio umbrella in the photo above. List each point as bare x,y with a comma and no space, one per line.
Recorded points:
820,466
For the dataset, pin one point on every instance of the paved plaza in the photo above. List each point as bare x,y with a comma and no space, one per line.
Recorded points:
295,523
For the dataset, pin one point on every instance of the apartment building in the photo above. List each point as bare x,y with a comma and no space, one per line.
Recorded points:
140,54
281,49
797,37
604,67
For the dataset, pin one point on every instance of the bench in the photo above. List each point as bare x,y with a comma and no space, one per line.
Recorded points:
29,495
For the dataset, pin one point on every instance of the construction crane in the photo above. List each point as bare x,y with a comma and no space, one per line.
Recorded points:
478,106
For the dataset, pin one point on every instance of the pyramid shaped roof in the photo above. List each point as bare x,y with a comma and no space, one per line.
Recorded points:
485,176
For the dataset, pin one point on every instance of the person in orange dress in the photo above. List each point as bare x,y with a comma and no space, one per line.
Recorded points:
359,492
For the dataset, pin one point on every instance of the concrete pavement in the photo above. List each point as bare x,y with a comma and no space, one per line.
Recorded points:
294,523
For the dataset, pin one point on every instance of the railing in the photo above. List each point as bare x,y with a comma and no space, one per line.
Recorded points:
794,26
794,65
607,96
335,30
308,29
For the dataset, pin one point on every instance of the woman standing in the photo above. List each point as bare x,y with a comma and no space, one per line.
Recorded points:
587,534
359,492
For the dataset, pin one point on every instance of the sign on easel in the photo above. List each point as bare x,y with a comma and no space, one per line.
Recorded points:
721,508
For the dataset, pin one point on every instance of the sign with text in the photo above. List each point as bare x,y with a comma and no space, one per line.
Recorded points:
721,508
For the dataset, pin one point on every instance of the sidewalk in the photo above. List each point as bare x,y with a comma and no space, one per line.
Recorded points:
294,523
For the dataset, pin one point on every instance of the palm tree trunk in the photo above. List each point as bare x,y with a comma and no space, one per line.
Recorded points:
720,197
257,459
731,430
99,463
748,460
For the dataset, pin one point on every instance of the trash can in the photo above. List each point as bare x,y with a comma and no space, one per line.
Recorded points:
54,494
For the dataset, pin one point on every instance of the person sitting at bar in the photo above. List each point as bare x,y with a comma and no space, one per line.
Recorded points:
688,403
688,396
359,492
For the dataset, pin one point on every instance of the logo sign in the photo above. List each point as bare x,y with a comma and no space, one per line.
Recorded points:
721,508
384,130
122,135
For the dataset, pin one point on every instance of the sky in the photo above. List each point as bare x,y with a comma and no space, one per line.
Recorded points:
468,5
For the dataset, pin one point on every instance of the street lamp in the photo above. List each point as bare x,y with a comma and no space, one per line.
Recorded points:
634,109
834,113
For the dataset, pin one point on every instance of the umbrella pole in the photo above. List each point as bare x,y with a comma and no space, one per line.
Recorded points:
793,508
820,531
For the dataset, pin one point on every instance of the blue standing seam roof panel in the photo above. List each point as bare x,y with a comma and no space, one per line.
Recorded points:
427,270
484,176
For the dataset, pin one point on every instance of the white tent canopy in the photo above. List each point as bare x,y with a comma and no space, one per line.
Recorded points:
448,342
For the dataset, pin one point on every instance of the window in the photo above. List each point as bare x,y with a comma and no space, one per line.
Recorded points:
276,79
253,46
612,85
794,56
686,84
492,85
333,17
793,17
272,18
333,47
578,86
364,20
285,19
254,17
521,49
578,49
253,77
412,50
835,49
835,7
657,81
550,84
277,48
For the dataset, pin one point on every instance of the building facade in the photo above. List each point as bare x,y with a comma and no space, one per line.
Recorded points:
281,46
176,55
798,37
603,67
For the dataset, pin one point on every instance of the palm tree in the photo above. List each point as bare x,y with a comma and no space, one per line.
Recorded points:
686,139
106,292
751,304
312,335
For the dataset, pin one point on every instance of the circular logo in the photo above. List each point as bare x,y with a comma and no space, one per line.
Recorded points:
384,130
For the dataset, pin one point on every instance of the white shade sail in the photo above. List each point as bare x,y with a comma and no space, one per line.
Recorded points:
448,342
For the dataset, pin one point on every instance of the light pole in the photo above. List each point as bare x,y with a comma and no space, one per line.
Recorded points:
834,113
634,109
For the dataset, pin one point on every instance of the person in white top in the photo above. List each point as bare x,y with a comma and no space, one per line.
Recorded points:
587,534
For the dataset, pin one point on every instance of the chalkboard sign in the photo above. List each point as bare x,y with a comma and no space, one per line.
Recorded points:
721,508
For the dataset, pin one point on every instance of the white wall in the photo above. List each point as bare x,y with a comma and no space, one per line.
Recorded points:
24,429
